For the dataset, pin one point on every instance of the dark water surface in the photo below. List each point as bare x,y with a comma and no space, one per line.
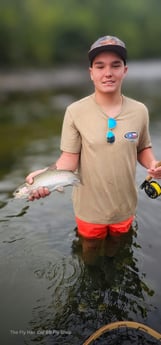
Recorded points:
49,294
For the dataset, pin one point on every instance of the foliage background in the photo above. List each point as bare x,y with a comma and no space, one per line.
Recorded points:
49,32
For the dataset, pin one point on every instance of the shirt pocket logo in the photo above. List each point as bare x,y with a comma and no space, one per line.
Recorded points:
131,136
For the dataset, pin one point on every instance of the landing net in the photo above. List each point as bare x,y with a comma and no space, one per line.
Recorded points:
124,333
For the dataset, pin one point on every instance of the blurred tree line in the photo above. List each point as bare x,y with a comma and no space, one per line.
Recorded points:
47,32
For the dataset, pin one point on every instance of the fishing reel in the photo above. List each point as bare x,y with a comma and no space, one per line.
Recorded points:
152,189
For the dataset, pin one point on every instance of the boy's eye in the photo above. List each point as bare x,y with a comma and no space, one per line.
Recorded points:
99,67
116,65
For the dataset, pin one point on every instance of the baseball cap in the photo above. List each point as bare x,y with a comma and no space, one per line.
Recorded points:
108,43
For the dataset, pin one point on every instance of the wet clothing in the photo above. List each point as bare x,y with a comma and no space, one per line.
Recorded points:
101,231
108,192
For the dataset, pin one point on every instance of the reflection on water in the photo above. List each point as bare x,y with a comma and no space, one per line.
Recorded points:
57,289
83,297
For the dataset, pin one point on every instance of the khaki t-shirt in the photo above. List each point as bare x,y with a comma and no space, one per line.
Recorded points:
107,193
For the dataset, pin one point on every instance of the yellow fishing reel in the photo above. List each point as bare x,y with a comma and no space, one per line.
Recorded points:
152,189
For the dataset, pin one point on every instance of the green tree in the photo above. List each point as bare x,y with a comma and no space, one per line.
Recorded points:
45,32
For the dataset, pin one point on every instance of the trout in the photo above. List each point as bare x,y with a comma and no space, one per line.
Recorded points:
54,180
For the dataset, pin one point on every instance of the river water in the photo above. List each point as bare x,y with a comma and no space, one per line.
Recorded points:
49,293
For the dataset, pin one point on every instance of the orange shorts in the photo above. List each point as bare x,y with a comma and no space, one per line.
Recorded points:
90,230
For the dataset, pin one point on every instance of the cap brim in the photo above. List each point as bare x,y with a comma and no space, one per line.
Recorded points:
121,51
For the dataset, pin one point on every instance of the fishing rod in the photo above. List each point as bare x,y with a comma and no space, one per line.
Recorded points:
151,187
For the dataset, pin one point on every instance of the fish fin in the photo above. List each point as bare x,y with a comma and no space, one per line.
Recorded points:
77,175
59,189
77,183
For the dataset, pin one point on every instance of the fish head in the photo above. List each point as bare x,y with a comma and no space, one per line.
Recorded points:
21,192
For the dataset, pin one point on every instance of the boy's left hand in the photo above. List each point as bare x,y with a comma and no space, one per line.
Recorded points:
155,170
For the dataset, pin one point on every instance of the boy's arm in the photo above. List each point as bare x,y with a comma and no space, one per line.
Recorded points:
147,159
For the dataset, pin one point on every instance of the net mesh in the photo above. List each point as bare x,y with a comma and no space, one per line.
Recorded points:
125,335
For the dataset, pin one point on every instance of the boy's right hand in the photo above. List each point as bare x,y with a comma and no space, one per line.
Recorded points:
41,192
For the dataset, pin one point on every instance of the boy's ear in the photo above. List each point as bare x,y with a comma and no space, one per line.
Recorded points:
126,69
90,72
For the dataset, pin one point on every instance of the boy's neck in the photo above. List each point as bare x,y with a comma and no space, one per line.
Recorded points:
109,103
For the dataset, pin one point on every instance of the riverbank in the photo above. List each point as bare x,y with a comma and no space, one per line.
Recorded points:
63,77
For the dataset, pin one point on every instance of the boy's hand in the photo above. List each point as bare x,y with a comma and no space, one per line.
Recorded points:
155,170
40,192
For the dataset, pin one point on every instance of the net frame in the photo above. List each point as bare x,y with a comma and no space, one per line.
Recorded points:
120,325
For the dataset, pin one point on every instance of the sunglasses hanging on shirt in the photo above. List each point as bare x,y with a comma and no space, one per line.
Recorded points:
110,136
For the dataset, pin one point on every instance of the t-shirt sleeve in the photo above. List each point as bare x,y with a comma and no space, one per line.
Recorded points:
70,136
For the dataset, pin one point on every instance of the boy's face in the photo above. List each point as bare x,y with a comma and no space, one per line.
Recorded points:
107,72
